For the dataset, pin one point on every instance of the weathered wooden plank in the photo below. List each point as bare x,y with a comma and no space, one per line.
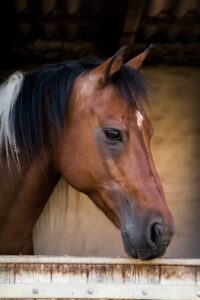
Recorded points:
178,275
6,273
26,277
98,291
32,273
68,273
198,275
93,260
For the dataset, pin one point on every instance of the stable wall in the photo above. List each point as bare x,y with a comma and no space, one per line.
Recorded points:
71,224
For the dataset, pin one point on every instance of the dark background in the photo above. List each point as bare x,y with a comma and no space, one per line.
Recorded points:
52,30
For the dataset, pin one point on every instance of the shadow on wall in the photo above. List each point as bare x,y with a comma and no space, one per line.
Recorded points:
70,223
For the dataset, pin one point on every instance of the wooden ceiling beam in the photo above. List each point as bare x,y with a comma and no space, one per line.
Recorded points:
132,21
168,21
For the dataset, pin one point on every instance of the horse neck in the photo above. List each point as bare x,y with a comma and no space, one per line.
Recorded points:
22,197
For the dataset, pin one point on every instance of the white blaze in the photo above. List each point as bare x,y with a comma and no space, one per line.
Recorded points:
140,118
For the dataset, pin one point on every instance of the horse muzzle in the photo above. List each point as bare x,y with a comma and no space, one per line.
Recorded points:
147,241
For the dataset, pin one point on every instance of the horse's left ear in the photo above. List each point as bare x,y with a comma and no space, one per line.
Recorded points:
108,68
137,61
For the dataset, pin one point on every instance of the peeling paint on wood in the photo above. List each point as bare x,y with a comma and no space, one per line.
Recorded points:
27,277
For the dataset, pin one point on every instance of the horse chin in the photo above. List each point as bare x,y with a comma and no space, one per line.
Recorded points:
128,246
143,254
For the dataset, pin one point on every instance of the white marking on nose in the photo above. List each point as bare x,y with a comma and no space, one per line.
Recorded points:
140,118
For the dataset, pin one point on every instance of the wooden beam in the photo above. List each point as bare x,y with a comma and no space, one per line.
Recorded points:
28,277
98,291
39,259
132,21
168,21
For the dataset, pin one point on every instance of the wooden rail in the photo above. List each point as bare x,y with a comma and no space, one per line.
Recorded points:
36,277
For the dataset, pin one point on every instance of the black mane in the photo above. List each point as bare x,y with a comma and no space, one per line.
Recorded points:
45,93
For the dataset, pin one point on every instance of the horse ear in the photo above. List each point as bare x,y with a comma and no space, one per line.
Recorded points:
137,61
108,68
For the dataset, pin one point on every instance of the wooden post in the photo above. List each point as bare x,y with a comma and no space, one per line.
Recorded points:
132,21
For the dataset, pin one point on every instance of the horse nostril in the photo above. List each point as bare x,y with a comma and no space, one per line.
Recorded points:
156,233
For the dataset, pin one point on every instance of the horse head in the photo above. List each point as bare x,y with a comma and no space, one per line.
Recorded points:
104,151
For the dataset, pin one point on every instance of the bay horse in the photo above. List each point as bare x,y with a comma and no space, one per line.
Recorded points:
84,120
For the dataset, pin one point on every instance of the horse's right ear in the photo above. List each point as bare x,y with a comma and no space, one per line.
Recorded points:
137,61
108,68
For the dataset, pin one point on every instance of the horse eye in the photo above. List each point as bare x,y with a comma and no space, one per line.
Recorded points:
113,134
